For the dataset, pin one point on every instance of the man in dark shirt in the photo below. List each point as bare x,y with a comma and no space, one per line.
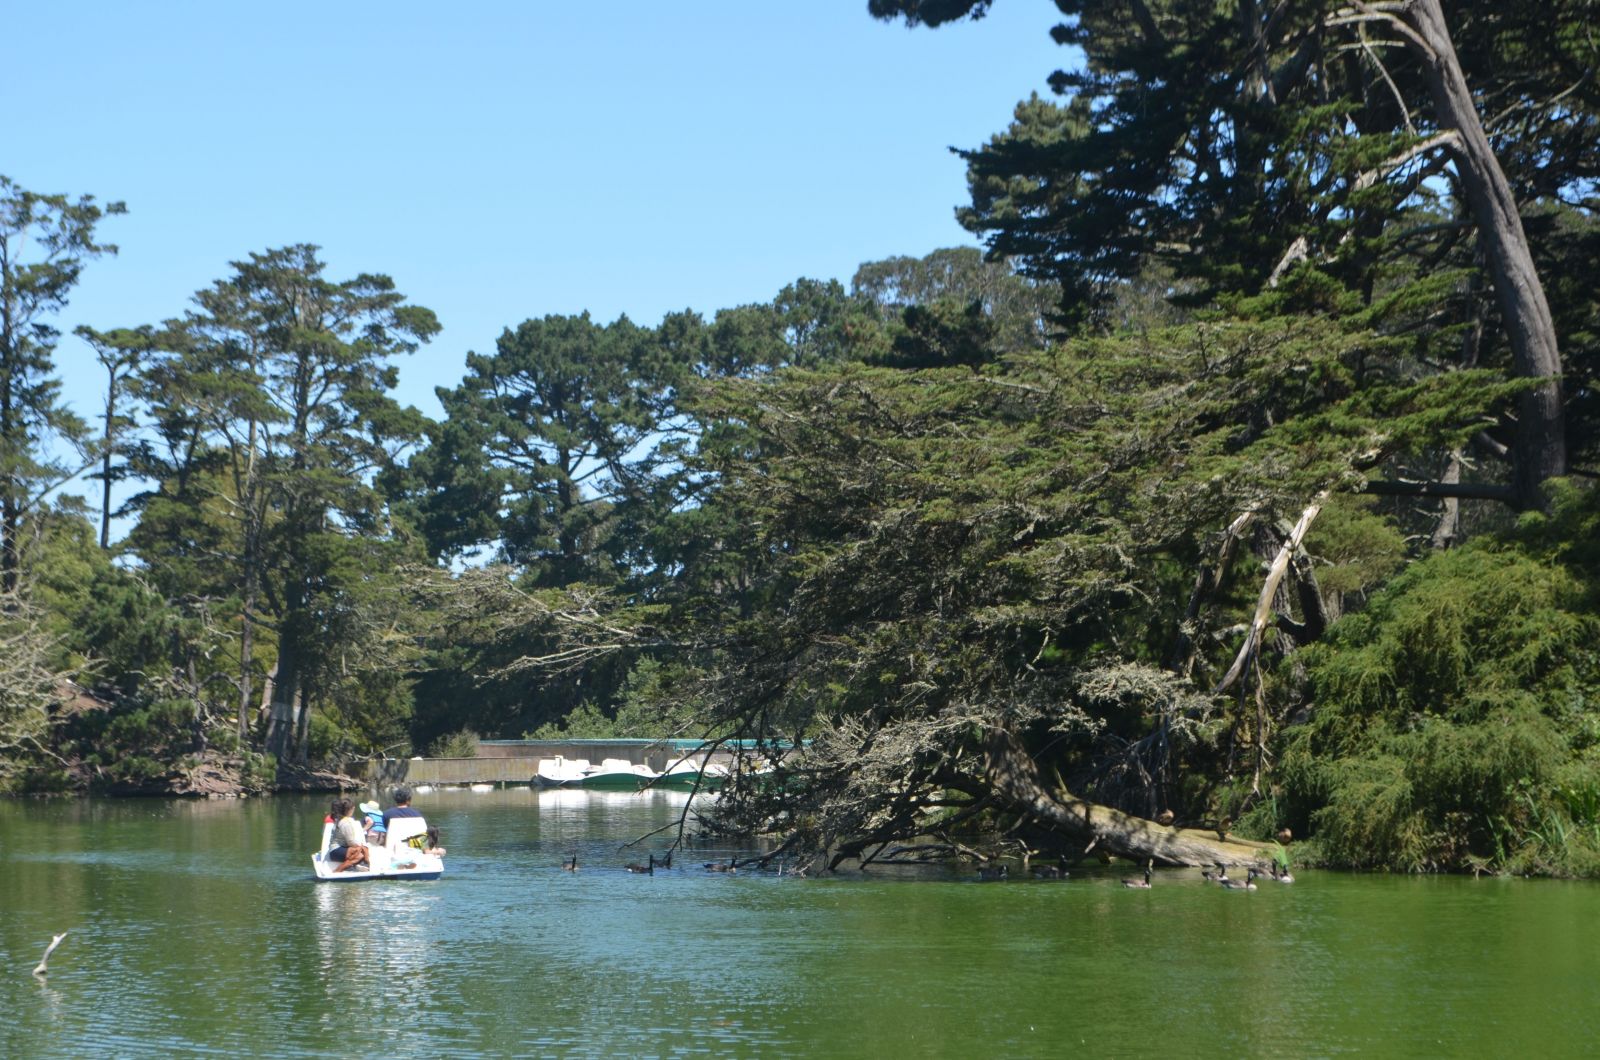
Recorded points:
401,807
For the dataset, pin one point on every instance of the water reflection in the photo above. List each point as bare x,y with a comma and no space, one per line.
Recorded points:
200,931
372,943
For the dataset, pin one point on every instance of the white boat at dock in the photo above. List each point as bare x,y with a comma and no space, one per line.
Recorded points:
612,774
686,774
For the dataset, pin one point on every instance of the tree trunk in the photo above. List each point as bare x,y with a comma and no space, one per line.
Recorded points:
105,462
1015,780
1448,529
10,486
10,544
281,717
302,731
1540,450
246,658
252,579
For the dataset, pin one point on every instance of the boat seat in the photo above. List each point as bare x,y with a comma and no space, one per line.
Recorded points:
402,829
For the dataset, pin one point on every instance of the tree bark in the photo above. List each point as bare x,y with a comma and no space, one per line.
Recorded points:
252,576
105,459
10,436
1269,590
1479,491
1449,525
302,730
1016,782
1540,450
282,721
10,509
1181,659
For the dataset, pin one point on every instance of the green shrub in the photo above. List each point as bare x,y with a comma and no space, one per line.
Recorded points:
584,722
1451,725
463,744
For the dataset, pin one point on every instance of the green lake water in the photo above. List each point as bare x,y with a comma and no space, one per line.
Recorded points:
195,929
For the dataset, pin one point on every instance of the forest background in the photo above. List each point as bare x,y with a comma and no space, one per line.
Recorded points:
1240,488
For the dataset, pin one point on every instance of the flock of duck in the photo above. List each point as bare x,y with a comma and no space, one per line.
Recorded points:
1220,877
652,863
1058,871
995,873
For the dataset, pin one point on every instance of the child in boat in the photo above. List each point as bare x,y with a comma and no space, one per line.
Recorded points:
428,842
350,848
372,821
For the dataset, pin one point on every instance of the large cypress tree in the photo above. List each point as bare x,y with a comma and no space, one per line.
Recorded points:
45,240
272,420
1369,144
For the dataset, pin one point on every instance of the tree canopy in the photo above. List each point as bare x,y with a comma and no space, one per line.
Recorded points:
1237,489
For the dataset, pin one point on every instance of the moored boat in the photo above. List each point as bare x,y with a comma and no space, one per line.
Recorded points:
618,774
686,774
612,774
559,772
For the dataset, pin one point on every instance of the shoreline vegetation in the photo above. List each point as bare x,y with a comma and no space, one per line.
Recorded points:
1241,489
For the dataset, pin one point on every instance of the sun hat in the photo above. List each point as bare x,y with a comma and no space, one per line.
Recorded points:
371,809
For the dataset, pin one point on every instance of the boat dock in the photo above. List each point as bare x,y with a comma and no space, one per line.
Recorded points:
506,763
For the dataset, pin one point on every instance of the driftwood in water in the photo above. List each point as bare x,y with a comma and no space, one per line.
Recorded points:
1015,781
43,967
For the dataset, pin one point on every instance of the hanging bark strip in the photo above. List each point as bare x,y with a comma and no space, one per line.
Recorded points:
1275,573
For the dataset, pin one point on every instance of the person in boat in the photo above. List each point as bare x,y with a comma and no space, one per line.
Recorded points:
372,821
401,808
349,842
427,842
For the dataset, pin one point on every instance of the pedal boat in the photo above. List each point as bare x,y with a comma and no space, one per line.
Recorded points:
613,774
396,859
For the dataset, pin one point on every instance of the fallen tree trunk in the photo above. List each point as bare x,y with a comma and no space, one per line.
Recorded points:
1016,782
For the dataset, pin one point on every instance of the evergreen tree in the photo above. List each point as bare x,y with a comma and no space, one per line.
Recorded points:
45,241
1236,143
543,445
272,421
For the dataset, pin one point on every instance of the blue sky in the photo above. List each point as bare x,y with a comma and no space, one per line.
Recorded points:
505,160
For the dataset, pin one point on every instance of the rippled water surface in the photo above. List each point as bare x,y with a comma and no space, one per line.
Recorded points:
195,929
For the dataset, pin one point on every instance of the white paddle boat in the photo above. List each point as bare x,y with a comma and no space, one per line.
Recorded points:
396,859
